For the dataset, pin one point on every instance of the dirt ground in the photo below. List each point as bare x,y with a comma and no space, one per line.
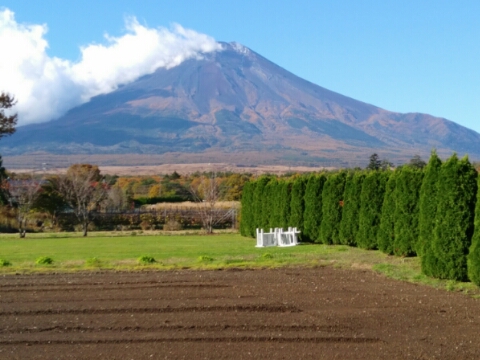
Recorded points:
293,313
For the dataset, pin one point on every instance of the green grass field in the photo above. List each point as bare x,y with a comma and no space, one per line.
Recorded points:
116,251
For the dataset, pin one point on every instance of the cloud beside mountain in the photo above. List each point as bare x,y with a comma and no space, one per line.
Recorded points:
46,87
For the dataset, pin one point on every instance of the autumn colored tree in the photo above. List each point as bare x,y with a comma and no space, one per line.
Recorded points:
83,191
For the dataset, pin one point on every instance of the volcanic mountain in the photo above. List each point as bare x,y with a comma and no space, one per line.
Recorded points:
234,104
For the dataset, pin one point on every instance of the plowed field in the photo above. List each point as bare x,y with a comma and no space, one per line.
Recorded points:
322,313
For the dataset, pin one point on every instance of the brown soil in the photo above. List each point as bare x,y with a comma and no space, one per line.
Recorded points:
322,313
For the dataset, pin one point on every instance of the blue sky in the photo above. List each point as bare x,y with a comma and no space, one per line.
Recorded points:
406,56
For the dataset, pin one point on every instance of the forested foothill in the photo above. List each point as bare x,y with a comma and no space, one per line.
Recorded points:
431,210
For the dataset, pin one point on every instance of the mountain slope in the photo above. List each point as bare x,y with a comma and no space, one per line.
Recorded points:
235,101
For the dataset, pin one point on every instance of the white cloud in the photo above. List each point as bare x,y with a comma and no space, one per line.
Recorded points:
46,87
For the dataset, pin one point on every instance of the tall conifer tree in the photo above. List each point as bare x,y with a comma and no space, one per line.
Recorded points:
297,204
258,200
427,213
246,217
474,255
371,199
409,182
268,204
386,230
332,201
313,207
457,186
275,220
284,203
351,208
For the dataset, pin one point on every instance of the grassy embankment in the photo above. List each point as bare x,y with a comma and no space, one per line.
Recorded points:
121,251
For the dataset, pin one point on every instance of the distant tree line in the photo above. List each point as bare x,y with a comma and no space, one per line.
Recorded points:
418,209
82,198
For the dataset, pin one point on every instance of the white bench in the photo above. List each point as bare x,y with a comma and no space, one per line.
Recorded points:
277,237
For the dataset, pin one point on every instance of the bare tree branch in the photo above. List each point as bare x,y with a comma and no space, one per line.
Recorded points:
207,193
22,194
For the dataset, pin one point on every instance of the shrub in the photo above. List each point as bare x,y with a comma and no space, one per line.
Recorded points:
94,262
145,259
172,225
44,260
4,262
205,258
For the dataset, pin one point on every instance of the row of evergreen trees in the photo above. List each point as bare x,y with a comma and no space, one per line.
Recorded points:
432,212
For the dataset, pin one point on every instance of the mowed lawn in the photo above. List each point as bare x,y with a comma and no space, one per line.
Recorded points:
170,251
120,251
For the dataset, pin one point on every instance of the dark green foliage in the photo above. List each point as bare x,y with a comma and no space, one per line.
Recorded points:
428,203
417,162
427,212
313,207
374,162
44,260
7,122
386,230
258,199
351,208
297,203
267,221
284,197
409,181
145,259
457,189
371,199
3,178
247,213
332,197
4,262
474,256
